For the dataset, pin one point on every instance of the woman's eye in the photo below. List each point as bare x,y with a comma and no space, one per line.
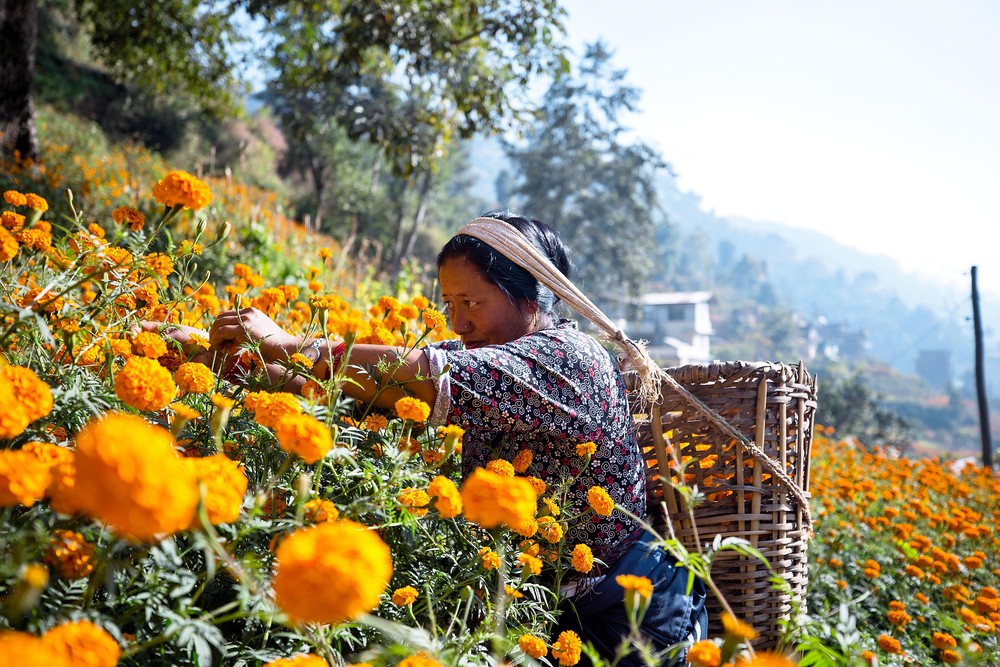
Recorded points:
471,304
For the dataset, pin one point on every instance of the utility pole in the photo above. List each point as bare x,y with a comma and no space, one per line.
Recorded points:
984,411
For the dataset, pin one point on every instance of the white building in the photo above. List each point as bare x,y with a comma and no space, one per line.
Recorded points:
676,326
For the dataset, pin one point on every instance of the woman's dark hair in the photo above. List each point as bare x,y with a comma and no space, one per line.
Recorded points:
514,281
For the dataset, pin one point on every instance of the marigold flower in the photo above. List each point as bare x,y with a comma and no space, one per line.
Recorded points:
550,529
567,648
15,198
412,409
84,643
490,559
304,660
634,584
225,485
704,654
69,555
36,202
583,558
414,500
943,640
179,188
898,617
501,467
319,510
34,397
889,644
128,215
492,500
24,478
734,627
419,660
194,378
160,264
586,449
600,501
128,474
331,572
149,344
404,596
8,246
512,592
145,385
530,563
12,221
951,657
303,435
764,659
537,484
533,646
434,320
24,650
448,500
522,461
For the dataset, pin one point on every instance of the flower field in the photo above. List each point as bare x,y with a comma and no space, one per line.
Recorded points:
157,512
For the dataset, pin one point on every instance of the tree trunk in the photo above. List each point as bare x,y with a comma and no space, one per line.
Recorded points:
418,219
397,246
18,40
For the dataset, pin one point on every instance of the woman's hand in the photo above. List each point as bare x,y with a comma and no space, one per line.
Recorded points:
234,328
180,335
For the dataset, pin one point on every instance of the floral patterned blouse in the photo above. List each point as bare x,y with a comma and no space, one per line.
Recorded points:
547,392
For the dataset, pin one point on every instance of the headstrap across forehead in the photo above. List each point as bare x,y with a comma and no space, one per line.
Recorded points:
515,246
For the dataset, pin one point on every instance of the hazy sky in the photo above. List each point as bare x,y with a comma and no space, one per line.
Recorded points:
875,122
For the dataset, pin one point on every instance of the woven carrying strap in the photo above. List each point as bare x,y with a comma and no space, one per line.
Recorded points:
512,244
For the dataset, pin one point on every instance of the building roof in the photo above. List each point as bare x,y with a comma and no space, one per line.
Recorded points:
668,298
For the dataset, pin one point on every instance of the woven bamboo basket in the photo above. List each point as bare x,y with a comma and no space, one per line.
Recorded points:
773,406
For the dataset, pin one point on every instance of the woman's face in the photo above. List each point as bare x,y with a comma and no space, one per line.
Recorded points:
479,312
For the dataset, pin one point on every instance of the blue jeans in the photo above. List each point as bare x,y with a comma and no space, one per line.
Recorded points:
598,614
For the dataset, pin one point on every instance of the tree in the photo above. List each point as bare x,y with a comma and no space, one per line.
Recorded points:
578,171
18,34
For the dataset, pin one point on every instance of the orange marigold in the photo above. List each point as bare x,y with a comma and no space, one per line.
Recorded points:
522,461
583,558
550,529
448,501
269,409
634,584
566,649
765,659
36,202
194,378
600,501
492,500
490,559
331,572
12,221
501,467
84,643
414,500
951,657
303,435
14,198
533,646
319,510
404,596
34,397
128,474
24,650
304,660
24,479
704,654
413,409
943,640
69,555
149,344
128,215
145,385
586,449
8,246
225,485
179,188
419,660
734,627
889,644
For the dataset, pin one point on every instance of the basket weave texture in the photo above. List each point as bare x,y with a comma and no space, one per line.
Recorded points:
773,406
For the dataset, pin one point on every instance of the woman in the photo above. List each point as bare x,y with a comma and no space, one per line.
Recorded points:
521,379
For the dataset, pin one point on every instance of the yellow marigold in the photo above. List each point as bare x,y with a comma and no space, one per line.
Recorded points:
319,510
15,198
69,555
36,202
270,409
533,646
128,215
145,385
943,640
33,395
149,344
194,378
512,592
179,188
530,563
24,479
551,507
299,359
490,559
303,435
128,474
600,501
225,485
331,572
160,264
84,643
414,500
736,628
304,660
764,659
704,654
404,596
8,246
566,648
501,467
583,558
448,500
419,660
586,449
24,650
537,484
889,644
550,529
898,617
522,461
634,584
325,253
951,657
413,409
492,500
434,319
12,221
